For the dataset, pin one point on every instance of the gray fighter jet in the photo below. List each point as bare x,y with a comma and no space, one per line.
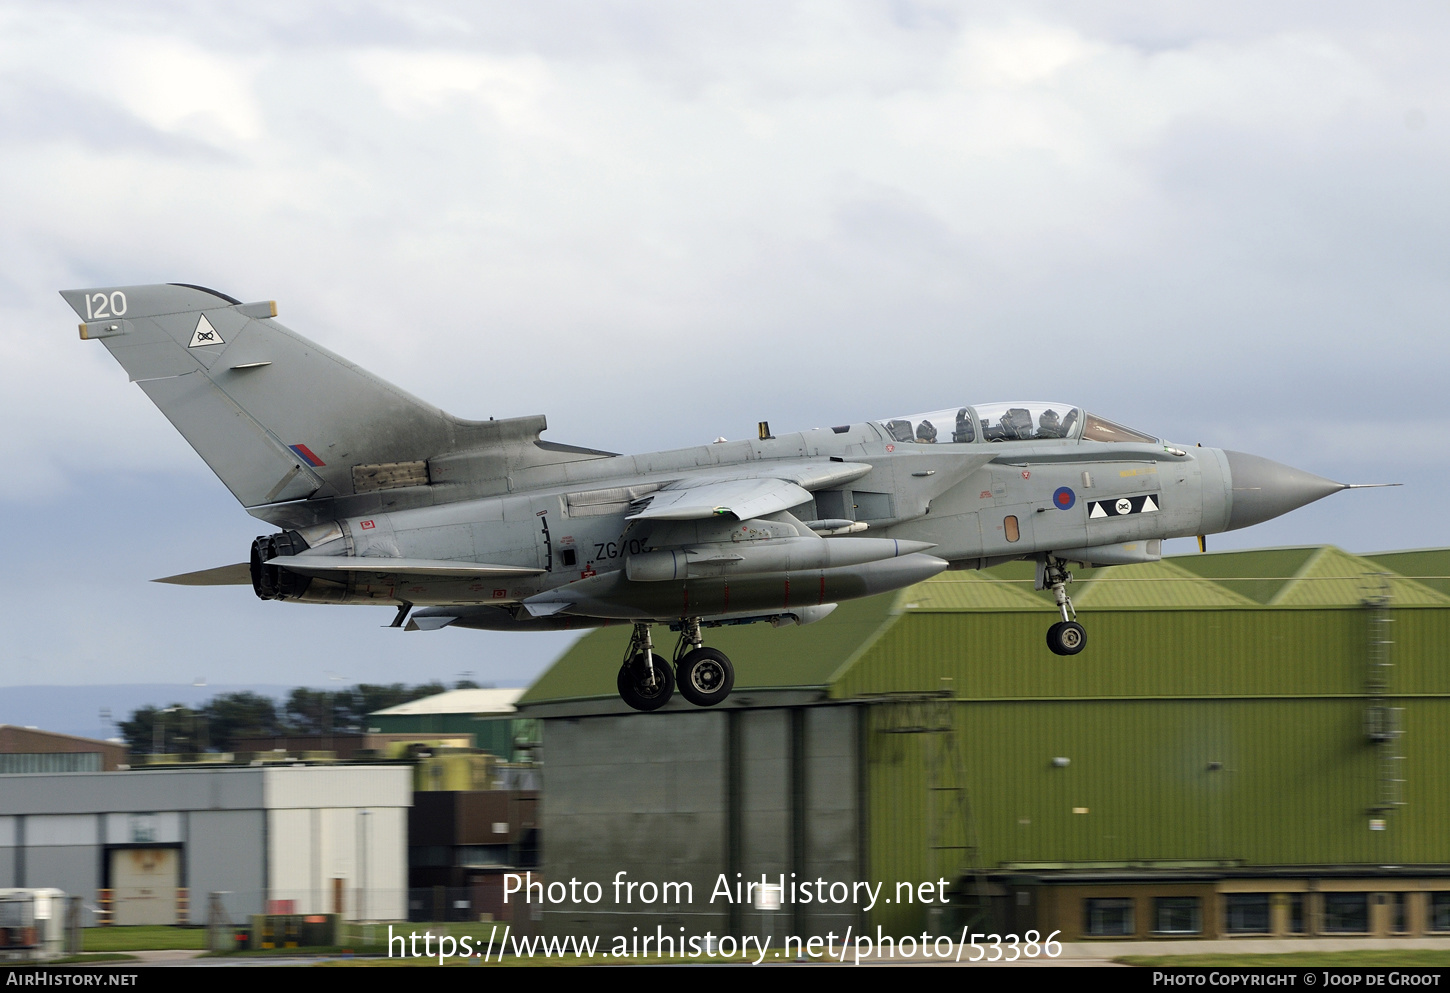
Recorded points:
384,499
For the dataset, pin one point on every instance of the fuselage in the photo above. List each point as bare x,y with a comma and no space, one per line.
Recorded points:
978,500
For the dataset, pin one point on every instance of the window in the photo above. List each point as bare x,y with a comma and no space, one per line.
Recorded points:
1176,915
1020,421
1097,428
1439,911
1346,913
1104,917
1246,913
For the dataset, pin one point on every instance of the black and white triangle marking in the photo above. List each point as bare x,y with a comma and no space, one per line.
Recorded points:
205,334
1123,506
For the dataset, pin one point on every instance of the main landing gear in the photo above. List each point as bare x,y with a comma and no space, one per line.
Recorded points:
704,675
645,680
1067,636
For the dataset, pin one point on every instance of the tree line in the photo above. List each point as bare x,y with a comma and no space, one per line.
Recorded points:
223,720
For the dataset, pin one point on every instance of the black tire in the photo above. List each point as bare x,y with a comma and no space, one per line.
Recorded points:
1066,638
640,694
705,677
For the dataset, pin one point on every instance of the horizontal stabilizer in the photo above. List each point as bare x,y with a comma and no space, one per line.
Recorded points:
332,565
225,575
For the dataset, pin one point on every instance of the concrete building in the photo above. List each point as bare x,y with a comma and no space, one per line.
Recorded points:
460,846
149,846
33,750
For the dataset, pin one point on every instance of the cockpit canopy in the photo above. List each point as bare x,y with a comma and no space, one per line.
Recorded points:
1021,421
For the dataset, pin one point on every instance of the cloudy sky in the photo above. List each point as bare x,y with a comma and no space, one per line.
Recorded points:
658,223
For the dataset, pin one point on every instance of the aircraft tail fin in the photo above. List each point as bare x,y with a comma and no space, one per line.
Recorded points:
276,417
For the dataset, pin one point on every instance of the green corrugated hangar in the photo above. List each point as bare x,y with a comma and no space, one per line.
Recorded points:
1253,743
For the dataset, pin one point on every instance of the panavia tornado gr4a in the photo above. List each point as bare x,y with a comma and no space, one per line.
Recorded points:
381,498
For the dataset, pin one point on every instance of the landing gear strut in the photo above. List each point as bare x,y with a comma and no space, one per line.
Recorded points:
1067,636
705,675
645,680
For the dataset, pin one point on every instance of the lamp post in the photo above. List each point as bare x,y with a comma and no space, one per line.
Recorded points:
362,864
158,730
329,699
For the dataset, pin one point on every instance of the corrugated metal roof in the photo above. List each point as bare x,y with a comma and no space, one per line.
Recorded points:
1333,577
971,591
1427,566
1258,575
1152,585
459,702
1314,576
1155,585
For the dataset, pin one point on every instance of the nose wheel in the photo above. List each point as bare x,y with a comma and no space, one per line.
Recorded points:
1067,636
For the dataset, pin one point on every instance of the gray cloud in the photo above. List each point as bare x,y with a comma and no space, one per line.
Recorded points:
661,223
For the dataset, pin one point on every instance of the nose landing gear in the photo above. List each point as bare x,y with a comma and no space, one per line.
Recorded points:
1067,636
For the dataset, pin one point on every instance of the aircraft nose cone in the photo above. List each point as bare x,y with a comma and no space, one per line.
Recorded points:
1264,489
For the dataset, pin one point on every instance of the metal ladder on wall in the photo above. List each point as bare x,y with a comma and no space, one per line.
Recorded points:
1382,722
948,801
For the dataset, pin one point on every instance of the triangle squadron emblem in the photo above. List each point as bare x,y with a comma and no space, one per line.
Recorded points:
205,334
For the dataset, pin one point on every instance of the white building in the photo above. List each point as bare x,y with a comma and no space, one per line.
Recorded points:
151,845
